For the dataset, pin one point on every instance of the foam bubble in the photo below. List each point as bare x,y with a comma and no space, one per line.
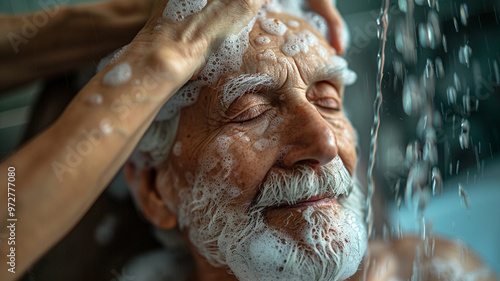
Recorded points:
273,26
299,42
177,10
118,75
263,40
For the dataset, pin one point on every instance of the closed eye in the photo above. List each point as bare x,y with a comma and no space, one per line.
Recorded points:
325,97
327,103
251,113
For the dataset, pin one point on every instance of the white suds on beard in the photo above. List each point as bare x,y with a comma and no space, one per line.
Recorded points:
226,235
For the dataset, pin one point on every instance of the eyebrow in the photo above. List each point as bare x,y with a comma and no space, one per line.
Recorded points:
337,71
242,84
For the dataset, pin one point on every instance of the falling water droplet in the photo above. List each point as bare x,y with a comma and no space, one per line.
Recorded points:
400,38
422,35
413,153
439,68
437,181
496,71
464,13
451,93
430,149
431,39
465,126
456,81
464,198
470,103
437,122
445,44
433,30
417,191
423,229
422,126
419,2
399,68
413,98
464,55
403,6
464,135
429,68
455,23
463,139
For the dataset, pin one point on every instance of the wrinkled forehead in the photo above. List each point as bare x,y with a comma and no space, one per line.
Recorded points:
277,47
282,49
282,43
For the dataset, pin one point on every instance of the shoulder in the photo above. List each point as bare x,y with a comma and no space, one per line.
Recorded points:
434,259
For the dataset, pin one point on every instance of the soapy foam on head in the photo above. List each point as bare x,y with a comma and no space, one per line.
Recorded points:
118,75
177,10
225,59
228,57
225,235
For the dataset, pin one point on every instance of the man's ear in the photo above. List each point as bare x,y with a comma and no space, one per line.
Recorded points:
142,182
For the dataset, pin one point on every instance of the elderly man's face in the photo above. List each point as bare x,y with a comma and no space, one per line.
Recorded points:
256,170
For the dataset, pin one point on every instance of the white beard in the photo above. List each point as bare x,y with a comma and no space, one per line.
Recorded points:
227,236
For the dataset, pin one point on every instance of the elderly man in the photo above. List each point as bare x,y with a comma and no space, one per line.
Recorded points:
257,169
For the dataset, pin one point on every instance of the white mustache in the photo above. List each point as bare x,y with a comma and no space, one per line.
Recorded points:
304,182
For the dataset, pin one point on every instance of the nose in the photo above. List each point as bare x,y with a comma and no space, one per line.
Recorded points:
310,139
